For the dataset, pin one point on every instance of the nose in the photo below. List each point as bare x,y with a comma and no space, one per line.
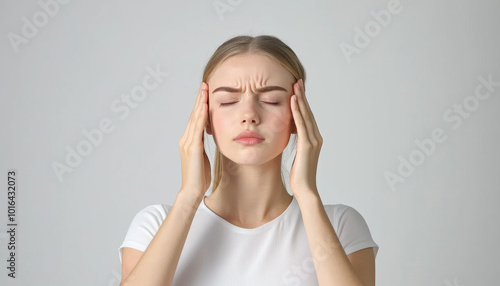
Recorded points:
249,112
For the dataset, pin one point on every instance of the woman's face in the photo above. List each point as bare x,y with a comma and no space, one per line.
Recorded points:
250,93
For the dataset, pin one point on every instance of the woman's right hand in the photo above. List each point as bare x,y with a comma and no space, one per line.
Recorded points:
196,173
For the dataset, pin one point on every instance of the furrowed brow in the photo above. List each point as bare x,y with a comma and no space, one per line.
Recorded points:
260,90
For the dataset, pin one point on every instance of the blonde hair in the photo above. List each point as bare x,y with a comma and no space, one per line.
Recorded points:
263,44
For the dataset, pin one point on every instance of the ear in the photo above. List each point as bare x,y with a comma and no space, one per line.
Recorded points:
293,127
208,128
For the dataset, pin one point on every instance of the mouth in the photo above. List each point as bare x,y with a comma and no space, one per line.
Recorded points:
249,138
249,141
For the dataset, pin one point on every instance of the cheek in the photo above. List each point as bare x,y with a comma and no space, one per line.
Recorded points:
220,122
281,121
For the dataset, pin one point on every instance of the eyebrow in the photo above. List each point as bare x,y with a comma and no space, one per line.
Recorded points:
260,90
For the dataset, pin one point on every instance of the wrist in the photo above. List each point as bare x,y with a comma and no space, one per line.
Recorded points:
189,199
307,196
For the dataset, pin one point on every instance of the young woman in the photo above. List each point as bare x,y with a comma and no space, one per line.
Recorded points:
249,230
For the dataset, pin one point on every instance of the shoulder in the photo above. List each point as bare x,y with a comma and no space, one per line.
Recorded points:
157,209
157,212
340,212
343,216
144,226
351,228
150,218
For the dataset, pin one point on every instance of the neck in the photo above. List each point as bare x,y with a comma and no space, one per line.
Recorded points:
249,195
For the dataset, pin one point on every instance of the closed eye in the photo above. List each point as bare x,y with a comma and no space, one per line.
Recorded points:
229,103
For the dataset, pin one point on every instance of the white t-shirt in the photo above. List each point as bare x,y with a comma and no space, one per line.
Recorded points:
219,253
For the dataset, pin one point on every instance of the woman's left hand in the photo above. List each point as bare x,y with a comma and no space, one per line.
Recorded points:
309,142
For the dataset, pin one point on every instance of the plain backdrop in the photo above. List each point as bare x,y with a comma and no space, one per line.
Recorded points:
376,87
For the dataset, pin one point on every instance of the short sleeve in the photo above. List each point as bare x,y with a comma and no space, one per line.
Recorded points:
351,228
144,227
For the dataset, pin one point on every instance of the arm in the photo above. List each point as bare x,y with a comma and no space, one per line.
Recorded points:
363,262
156,266
333,266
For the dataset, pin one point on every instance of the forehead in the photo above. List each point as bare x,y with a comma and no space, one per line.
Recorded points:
250,68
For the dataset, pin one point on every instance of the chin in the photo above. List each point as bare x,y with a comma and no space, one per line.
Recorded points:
252,157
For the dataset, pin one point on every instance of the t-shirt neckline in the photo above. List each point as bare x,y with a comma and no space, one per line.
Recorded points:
235,228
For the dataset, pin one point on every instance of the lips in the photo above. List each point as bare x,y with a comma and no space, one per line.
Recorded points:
249,138
249,134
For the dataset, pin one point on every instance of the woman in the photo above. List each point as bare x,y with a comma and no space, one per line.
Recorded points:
249,230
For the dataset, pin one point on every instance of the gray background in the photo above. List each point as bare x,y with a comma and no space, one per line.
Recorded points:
437,227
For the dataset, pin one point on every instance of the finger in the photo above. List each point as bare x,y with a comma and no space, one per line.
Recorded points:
299,120
306,110
302,93
315,124
316,128
187,132
197,113
205,108
198,100
306,117
202,118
